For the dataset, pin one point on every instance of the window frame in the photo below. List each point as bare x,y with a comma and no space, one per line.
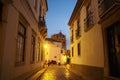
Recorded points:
79,49
78,30
42,51
33,49
35,4
72,51
20,36
72,36
38,51
88,21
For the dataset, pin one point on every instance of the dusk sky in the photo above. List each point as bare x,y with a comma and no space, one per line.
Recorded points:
58,15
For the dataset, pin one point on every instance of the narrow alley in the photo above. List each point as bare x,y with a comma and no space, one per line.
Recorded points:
56,72
59,39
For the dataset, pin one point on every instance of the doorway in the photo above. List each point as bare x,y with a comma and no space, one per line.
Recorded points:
113,39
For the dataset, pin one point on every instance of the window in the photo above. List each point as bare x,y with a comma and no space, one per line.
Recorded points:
35,4
78,29
61,51
42,17
38,51
42,51
20,55
41,11
72,37
88,22
72,51
105,6
1,6
55,56
118,38
79,49
33,49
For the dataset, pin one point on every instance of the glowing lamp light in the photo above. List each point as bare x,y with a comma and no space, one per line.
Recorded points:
45,46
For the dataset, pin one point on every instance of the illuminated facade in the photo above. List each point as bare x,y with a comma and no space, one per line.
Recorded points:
54,51
60,37
22,36
94,35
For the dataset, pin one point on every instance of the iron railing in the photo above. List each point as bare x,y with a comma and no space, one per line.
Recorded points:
88,22
105,6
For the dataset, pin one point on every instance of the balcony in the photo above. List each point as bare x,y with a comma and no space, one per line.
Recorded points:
42,22
107,6
88,22
44,32
42,26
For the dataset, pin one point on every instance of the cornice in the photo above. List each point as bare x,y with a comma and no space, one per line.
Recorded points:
76,11
46,5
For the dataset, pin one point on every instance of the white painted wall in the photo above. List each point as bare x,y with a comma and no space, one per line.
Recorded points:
91,42
53,52
91,49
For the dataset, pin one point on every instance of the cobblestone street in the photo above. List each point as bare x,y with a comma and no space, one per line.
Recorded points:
55,72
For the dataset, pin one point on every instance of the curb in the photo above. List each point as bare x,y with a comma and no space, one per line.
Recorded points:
36,75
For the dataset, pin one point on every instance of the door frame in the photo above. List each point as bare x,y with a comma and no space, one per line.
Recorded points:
106,56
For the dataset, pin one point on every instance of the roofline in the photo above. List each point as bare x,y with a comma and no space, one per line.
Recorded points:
75,11
52,40
46,4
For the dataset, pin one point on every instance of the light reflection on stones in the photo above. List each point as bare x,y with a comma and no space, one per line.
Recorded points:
55,72
67,74
49,76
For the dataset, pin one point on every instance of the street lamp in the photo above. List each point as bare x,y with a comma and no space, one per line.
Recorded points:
45,46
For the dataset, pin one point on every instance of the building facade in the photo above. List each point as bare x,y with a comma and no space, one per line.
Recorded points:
60,37
54,51
22,36
94,34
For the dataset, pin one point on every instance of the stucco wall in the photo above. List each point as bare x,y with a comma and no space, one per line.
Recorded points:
91,48
9,70
54,50
10,45
91,41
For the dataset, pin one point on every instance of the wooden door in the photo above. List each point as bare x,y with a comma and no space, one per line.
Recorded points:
113,37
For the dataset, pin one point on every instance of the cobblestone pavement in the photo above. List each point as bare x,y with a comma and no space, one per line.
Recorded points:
55,72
